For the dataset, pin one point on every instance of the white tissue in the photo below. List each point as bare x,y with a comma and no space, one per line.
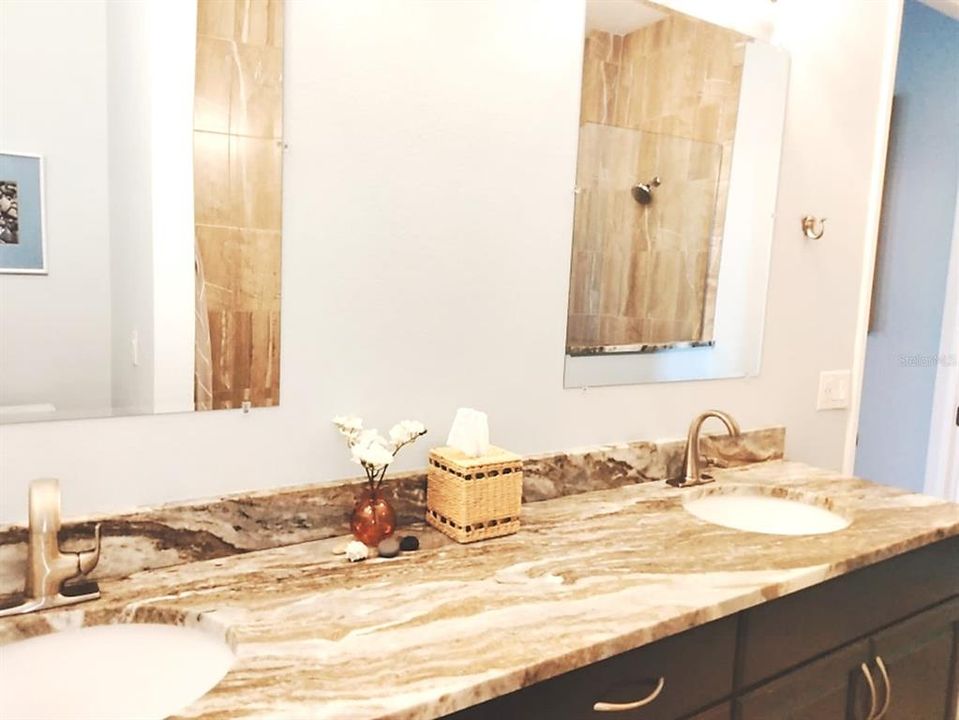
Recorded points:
470,432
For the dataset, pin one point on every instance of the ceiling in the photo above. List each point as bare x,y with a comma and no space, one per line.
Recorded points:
620,16
948,7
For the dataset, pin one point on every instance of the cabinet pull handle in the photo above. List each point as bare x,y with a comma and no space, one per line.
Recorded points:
885,678
872,691
620,707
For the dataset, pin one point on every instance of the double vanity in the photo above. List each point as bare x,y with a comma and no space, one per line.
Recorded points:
638,600
438,154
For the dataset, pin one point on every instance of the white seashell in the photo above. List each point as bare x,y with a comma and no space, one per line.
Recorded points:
357,551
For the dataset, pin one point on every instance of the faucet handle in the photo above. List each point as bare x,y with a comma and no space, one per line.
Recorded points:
88,559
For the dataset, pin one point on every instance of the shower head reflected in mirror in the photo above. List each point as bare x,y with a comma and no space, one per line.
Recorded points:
643,193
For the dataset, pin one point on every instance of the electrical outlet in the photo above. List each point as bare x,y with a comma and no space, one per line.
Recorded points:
833,390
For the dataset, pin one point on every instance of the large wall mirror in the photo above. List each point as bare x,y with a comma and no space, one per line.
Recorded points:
680,132
140,206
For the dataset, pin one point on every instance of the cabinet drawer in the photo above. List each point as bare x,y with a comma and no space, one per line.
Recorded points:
828,689
696,667
794,629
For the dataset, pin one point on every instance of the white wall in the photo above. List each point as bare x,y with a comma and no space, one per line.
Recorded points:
131,207
919,210
152,51
427,220
55,329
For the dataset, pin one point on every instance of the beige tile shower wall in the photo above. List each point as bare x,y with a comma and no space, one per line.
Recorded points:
636,277
238,127
678,82
602,58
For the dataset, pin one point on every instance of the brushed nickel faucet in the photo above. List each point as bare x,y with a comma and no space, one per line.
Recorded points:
47,567
692,471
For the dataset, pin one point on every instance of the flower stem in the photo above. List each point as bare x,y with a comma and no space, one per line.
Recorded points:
382,475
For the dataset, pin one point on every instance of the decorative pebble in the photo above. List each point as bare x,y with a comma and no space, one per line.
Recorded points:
340,549
388,547
357,551
409,543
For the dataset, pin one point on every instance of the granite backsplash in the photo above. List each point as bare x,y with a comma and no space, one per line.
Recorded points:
200,530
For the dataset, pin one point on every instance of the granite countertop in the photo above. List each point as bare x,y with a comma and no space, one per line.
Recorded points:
587,577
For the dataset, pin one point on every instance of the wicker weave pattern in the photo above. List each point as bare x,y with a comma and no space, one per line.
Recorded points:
473,499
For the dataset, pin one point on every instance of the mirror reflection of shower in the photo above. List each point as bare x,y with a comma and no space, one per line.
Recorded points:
643,192
658,104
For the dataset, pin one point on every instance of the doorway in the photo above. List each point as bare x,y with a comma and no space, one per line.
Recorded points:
942,460
909,400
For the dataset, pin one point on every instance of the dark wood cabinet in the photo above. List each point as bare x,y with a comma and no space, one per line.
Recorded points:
832,687
919,656
910,665
720,712
696,668
797,628
882,638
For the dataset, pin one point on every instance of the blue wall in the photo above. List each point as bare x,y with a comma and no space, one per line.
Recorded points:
914,244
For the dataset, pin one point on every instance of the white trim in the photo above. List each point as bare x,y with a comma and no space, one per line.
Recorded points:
43,269
871,237
942,464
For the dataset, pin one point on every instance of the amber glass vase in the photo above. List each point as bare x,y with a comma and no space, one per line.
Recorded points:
373,517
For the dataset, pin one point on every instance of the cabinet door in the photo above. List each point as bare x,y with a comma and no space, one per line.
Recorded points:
720,712
920,657
832,688
798,628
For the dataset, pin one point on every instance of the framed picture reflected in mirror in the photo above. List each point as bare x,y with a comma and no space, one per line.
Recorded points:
22,235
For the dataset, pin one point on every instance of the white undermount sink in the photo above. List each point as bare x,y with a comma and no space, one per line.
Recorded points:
761,513
103,672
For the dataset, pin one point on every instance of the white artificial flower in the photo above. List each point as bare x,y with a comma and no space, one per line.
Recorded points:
371,449
348,425
415,427
374,456
405,431
398,435
369,437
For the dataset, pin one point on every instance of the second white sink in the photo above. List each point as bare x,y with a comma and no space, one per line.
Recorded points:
109,671
762,513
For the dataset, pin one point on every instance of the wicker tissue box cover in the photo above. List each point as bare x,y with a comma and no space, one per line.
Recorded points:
474,498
